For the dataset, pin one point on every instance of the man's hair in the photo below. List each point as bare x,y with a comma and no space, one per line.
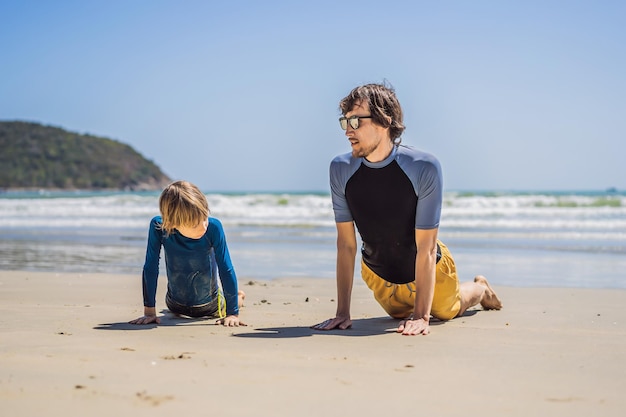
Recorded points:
383,104
182,204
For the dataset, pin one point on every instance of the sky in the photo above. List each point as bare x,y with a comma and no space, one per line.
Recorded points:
243,95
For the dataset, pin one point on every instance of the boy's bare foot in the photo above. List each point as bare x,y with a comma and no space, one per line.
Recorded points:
490,300
241,296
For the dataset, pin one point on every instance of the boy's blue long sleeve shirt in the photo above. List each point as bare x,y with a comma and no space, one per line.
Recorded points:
192,266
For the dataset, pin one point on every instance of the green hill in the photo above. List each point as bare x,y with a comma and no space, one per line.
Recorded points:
46,157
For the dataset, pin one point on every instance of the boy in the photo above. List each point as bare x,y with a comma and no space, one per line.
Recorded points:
195,249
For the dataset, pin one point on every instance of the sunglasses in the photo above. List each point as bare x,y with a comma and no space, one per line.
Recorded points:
353,120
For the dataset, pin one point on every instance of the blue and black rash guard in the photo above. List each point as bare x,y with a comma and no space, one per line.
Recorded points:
192,266
387,201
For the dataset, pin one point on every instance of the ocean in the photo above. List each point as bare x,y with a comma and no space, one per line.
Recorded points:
539,239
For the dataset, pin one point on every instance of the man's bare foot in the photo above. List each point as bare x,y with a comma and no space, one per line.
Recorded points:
490,300
240,297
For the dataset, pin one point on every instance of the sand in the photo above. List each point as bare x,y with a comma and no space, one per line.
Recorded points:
66,350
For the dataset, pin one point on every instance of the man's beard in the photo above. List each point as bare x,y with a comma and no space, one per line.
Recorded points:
362,152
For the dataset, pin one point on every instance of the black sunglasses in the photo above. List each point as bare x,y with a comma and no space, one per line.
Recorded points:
353,120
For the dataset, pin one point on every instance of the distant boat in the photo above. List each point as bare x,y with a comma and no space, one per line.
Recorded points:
611,190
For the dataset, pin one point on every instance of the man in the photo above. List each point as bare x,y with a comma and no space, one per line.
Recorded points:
393,194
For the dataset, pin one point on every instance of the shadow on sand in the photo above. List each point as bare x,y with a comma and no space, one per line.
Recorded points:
167,319
360,327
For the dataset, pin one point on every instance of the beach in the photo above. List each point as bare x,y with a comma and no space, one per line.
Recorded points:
70,280
67,350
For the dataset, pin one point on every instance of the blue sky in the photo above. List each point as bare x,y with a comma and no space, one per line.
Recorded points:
243,95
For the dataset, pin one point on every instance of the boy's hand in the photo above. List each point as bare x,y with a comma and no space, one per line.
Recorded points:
149,316
231,321
146,320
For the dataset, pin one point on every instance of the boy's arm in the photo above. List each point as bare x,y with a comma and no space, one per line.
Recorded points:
227,274
150,274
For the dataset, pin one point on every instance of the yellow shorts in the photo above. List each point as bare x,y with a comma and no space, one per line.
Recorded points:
398,300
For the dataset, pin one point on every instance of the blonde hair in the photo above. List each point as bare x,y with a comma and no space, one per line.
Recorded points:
182,204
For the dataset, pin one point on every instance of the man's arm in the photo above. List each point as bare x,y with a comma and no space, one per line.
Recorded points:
425,269
346,254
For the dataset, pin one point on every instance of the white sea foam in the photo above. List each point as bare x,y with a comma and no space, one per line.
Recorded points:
553,213
293,234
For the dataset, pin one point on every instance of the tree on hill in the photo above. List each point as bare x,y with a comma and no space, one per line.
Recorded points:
37,156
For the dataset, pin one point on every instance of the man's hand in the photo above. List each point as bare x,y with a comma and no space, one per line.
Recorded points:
146,320
231,321
342,323
411,327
